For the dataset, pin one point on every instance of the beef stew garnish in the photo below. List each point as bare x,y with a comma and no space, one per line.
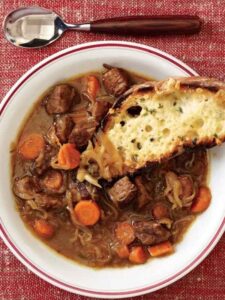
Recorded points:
150,232
161,249
123,191
83,129
63,127
123,222
31,146
202,201
87,212
92,87
115,81
43,228
67,158
60,99
125,233
100,109
138,255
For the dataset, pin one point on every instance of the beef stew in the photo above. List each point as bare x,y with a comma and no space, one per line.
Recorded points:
122,223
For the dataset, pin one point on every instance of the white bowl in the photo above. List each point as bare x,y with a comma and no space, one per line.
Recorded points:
66,274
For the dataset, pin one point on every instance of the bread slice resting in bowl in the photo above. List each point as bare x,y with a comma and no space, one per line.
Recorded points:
153,122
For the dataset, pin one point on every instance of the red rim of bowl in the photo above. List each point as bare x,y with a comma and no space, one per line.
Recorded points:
49,278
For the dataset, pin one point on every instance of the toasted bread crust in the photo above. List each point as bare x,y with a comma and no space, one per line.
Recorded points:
211,88
210,84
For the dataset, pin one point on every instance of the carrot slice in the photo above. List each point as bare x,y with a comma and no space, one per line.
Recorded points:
202,201
53,179
43,228
31,146
161,249
92,86
159,211
68,157
123,251
137,255
87,212
125,233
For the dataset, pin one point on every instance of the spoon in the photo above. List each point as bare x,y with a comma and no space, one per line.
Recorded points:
35,27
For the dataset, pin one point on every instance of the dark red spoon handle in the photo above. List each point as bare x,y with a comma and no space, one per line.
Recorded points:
148,25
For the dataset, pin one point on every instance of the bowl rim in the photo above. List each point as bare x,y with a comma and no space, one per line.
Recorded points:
6,236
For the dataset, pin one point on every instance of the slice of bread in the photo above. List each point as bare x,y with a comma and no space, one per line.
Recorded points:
155,121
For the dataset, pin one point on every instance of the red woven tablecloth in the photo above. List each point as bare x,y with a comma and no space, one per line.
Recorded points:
204,52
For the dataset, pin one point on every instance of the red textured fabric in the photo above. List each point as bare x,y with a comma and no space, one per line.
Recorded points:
204,52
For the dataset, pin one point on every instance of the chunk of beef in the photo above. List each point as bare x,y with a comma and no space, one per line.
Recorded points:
26,187
123,191
99,109
63,127
150,232
115,81
49,202
60,99
53,182
143,197
83,130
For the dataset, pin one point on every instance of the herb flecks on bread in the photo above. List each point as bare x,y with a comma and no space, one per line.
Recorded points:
154,121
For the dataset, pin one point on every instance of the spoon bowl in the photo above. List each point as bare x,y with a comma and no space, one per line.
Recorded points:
33,27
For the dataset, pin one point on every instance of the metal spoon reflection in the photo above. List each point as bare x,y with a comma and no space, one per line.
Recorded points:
34,27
